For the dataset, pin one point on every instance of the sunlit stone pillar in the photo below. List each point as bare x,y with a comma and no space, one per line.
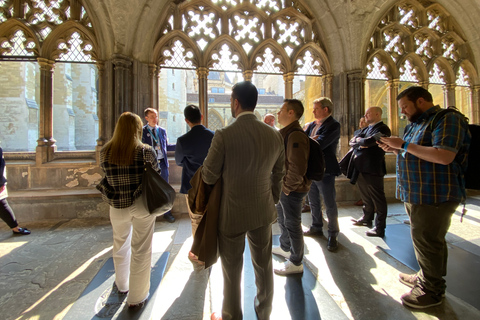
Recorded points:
202,75
45,144
449,90
475,118
101,114
153,73
288,79
392,89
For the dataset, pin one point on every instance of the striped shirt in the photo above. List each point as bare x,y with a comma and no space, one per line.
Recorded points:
424,182
123,184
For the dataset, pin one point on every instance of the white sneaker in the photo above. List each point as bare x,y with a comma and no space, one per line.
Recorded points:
288,268
280,252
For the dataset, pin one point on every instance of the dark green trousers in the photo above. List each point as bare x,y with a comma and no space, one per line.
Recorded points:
429,225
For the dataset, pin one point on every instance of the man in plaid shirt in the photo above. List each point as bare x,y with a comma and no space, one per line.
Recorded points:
431,162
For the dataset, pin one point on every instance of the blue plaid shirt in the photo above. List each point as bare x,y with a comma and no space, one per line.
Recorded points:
424,182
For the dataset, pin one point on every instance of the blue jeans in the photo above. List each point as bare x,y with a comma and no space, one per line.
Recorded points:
289,210
326,188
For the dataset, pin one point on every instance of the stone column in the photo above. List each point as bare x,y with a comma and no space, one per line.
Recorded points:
327,85
392,87
46,143
122,86
153,72
288,78
449,90
248,75
356,99
202,74
101,114
475,117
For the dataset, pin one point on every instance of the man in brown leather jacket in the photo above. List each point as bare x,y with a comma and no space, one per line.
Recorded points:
295,188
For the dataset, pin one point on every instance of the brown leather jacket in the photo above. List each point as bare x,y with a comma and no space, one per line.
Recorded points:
297,150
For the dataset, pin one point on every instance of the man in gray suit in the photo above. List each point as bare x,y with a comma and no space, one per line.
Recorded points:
249,157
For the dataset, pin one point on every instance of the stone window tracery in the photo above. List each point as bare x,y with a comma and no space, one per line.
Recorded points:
377,70
273,43
70,110
414,34
437,75
268,62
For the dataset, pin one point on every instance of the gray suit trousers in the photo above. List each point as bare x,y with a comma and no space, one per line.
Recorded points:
231,248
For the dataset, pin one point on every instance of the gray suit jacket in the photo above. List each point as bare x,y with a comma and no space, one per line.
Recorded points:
249,156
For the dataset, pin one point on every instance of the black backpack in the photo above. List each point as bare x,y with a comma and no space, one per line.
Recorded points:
316,162
472,175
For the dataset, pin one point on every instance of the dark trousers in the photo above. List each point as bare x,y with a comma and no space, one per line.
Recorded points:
231,247
289,210
429,225
373,196
6,214
164,174
325,187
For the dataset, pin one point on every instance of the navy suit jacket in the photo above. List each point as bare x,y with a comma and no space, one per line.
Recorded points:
371,158
162,134
190,151
328,136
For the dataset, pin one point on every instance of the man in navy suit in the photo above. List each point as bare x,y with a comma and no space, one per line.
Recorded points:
326,131
369,162
191,150
156,137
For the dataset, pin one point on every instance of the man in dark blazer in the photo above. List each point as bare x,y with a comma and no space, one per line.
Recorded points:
369,162
249,157
156,136
190,152
326,130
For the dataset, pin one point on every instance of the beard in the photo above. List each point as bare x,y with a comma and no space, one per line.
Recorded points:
414,117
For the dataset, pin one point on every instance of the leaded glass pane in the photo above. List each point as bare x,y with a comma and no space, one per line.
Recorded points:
308,65
376,70
268,62
18,46
437,75
226,60
462,78
178,56
74,50
408,72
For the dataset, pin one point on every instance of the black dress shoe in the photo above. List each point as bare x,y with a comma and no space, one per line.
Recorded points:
22,231
362,223
375,232
313,233
332,244
169,217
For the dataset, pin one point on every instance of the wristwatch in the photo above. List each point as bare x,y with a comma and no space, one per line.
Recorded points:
403,148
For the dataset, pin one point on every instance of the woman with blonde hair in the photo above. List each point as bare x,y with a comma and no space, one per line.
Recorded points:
122,161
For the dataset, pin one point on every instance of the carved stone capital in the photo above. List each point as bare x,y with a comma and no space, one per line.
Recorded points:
288,77
46,65
202,73
248,75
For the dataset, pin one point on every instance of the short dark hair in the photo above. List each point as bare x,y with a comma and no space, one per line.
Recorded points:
247,95
148,110
192,113
296,106
414,93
